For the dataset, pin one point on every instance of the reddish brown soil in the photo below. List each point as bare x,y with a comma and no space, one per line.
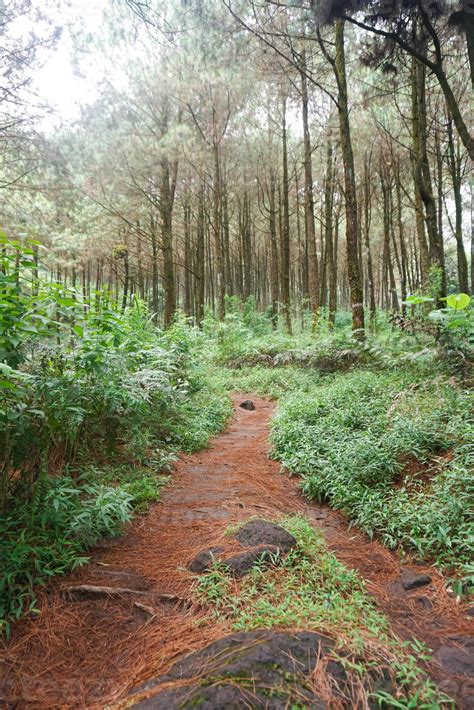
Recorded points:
89,653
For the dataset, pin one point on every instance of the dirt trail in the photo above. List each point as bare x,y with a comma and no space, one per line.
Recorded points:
89,651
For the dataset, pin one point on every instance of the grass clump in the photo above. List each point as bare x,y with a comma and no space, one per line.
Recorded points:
311,590
350,439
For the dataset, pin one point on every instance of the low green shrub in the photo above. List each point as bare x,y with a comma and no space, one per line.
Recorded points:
350,438
49,535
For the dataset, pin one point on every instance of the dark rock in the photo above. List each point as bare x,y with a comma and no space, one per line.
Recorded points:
262,532
467,695
467,641
414,580
224,696
383,683
424,603
246,653
241,564
204,560
248,405
470,611
459,661
337,672
265,670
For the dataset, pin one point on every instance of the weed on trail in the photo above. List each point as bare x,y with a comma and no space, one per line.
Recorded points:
311,590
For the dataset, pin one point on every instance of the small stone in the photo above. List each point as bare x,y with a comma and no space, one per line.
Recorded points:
470,611
204,560
242,564
248,405
413,580
262,532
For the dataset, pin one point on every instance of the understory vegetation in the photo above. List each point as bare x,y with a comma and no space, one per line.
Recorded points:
310,589
381,430
95,403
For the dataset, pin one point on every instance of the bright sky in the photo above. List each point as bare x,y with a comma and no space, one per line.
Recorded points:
55,82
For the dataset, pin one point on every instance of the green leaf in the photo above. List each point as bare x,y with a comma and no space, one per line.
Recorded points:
415,300
458,301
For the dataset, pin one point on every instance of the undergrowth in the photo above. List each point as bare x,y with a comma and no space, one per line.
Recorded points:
387,441
351,439
311,590
95,403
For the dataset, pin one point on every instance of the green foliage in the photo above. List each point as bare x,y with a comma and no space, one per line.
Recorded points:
48,536
456,331
81,382
351,437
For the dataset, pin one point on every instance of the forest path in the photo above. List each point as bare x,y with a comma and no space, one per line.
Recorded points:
87,650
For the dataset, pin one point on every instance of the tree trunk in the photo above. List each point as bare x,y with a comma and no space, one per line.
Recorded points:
333,272
200,261
166,212
187,260
353,264
220,267
313,288
454,163
275,284
285,232
423,176
367,223
154,267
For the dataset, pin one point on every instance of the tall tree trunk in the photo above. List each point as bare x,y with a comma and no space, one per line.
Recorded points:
141,278
154,267
246,237
454,163
353,264
166,213
187,259
226,235
285,232
274,284
423,178
219,266
333,272
328,212
200,261
367,224
403,251
313,269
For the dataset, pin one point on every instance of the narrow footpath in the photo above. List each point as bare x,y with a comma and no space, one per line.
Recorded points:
89,647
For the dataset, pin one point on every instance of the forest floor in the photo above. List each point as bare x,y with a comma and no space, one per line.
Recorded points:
91,649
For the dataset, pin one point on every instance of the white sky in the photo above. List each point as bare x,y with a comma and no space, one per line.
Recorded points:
55,82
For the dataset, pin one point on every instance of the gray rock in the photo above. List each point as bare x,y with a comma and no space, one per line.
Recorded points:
414,580
265,670
220,696
241,564
204,560
248,405
251,653
459,661
262,532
